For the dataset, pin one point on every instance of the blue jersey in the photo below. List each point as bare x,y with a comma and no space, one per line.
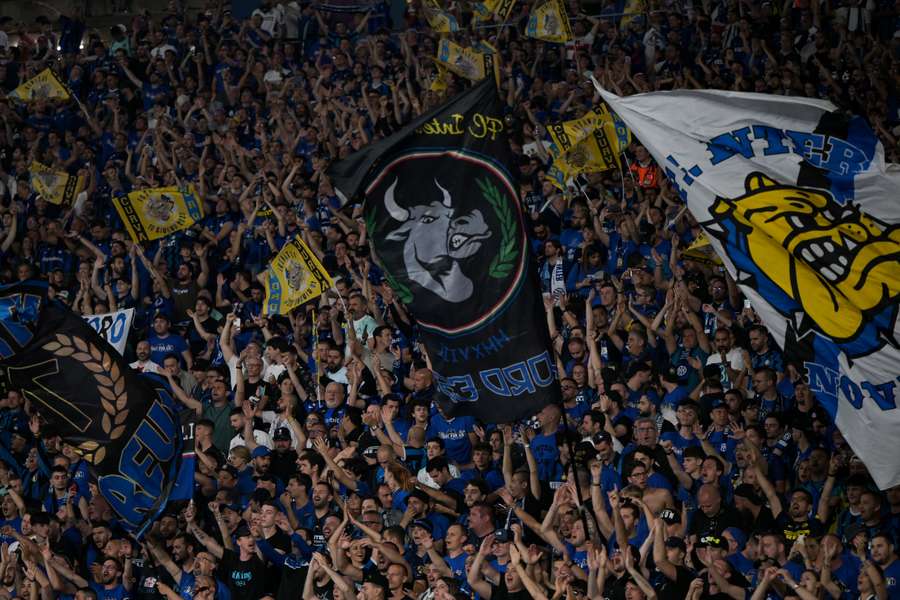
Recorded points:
455,433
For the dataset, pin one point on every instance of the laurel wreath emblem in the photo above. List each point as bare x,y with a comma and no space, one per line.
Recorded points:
402,291
505,260
110,385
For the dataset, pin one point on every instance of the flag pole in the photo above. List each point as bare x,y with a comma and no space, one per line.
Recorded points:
315,333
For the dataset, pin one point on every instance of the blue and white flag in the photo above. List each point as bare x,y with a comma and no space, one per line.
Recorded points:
113,327
798,201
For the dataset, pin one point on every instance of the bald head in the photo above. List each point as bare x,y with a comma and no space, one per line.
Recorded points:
709,499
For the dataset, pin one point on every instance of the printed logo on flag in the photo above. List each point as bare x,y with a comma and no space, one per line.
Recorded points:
835,261
450,213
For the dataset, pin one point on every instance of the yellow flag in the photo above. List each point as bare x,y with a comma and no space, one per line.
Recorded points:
154,213
56,187
43,86
293,277
701,251
594,154
566,134
501,8
440,20
550,22
439,84
465,62
633,8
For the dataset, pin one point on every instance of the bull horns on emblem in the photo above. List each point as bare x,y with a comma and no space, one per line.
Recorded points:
448,200
397,213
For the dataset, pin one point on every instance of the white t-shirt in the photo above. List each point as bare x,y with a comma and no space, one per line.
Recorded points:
260,437
147,366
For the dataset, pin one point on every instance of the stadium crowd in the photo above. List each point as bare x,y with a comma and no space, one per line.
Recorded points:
705,466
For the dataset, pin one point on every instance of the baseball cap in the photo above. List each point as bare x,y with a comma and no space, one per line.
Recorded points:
502,535
668,515
712,541
282,434
242,531
375,578
424,524
260,451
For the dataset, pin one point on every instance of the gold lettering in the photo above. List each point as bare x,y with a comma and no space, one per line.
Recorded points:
482,126
435,127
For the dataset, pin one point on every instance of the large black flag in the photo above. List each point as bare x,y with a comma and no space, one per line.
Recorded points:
442,212
123,424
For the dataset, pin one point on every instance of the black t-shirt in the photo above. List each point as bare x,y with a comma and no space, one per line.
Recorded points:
666,589
280,541
244,578
615,587
793,529
701,524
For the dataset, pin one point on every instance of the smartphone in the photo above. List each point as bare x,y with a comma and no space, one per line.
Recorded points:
747,304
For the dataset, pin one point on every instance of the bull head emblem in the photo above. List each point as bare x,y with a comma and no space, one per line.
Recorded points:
434,242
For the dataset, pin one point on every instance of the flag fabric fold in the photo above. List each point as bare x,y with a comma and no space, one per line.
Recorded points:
442,211
125,426
797,200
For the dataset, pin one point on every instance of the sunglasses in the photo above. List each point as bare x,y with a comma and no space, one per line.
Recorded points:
203,590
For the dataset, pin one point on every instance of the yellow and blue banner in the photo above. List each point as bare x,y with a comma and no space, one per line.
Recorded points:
43,86
550,22
465,62
440,20
56,187
154,213
797,200
294,276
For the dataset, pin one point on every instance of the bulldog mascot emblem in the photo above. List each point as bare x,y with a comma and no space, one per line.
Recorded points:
841,266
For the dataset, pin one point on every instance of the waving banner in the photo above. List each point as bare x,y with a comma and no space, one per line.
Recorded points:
465,62
43,86
442,211
294,276
154,213
125,426
798,202
113,327
549,22
56,187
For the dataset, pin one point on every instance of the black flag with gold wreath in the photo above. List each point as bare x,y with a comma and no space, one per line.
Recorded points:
123,424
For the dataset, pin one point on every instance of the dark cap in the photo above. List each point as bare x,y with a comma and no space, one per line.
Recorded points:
712,541
242,532
502,536
424,524
375,578
668,515
282,434
260,451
